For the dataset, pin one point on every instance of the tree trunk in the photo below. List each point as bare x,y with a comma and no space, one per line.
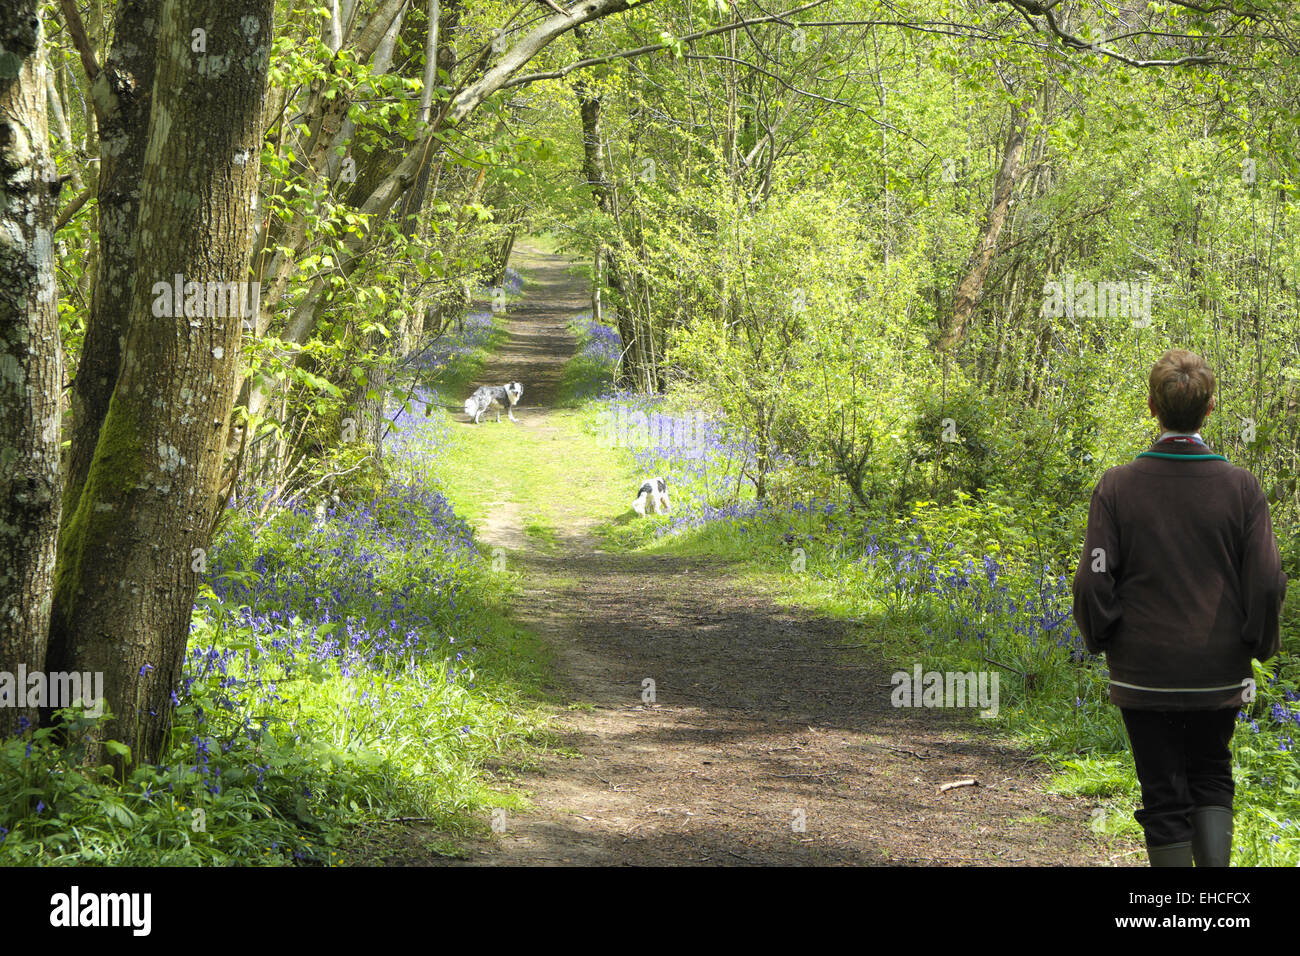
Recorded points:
631,369
503,257
130,544
31,362
971,286
122,93
371,394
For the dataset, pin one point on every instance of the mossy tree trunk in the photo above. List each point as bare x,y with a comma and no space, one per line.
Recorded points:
31,365
122,95
131,542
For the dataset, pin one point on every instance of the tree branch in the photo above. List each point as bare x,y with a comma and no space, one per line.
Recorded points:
77,30
497,78
72,208
653,47
1028,9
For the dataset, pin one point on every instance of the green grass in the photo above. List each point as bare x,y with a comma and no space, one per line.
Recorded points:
547,242
542,535
491,464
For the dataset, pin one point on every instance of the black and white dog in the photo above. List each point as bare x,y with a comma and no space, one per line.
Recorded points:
652,496
489,395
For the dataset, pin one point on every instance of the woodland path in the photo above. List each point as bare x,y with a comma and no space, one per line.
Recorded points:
761,716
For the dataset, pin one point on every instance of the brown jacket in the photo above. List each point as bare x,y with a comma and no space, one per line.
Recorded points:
1180,581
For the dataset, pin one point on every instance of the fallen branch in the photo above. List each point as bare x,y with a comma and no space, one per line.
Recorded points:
828,773
968,782
910,753
1014,670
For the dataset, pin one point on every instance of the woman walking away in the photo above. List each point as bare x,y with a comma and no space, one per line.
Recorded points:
1181,584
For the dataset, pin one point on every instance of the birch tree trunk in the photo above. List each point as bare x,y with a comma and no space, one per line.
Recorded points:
31,364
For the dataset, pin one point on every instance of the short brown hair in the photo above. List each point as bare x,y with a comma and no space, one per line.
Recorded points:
1181,386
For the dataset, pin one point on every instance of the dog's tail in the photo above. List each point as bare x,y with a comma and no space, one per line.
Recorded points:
470,407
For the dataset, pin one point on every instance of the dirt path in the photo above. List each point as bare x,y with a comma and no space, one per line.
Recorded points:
766,743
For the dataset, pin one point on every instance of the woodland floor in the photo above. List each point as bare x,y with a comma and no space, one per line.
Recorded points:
761,713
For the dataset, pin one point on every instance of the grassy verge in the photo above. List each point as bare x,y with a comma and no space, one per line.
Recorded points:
352,663
588,372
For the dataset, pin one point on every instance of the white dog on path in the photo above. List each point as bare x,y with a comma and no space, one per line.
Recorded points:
652,496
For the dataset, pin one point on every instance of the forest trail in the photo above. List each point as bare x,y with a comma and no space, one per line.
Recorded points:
767,742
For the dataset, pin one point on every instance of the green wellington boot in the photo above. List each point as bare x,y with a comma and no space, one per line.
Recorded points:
1212,835
1171,854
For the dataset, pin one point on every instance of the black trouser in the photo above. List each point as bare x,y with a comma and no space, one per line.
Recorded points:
1182,761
